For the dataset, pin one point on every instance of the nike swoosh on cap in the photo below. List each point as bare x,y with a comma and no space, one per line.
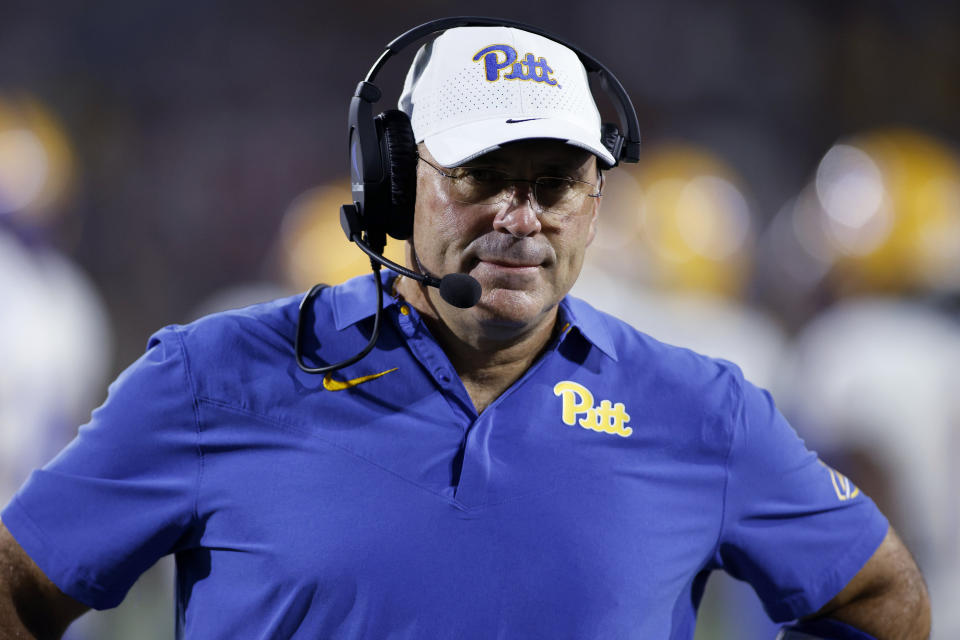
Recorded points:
512,121
339,385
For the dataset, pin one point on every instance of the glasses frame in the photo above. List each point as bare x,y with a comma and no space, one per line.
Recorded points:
533,185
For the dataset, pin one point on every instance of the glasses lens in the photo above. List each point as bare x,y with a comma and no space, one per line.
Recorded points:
552,195
481,186
561,196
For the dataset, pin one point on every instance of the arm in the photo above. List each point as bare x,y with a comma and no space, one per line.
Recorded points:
31,606
821,539
887,598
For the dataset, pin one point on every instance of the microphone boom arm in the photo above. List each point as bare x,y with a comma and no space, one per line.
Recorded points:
393,266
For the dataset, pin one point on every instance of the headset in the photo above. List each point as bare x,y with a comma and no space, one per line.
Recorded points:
383,171
383,151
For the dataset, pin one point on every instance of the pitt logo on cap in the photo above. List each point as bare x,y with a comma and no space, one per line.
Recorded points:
498,57
577,400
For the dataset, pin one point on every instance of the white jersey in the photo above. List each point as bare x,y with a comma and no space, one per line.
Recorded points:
884,375
56,350
711,325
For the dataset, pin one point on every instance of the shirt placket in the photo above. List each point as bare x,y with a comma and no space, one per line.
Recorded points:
477,459
438,367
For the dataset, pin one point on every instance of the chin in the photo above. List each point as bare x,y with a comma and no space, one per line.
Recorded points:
511,307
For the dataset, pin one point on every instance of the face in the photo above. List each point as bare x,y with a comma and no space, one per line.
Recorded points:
525,261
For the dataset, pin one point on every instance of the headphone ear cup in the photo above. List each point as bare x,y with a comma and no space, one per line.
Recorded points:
399,152
612,139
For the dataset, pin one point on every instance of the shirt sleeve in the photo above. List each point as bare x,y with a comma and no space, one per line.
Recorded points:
123,492
794,528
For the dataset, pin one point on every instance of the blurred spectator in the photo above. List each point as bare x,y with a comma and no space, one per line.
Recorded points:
872,385
55,342
871,382
55,339
56,353
673,254
310,248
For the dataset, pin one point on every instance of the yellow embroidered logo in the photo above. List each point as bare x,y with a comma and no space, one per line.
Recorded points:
577,400
339,385
842,486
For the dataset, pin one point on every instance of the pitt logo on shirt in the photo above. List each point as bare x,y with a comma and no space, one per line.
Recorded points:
529,68
577,400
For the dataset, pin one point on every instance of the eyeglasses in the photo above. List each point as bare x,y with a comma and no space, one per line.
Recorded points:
556,197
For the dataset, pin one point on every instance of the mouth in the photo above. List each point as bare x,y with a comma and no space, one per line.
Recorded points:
509,265
500,273
508,261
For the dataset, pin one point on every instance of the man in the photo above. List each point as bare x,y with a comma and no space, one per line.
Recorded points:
524,468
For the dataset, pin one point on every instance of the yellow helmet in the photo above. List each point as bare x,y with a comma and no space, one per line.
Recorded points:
682,212
890,203
36,159
313,246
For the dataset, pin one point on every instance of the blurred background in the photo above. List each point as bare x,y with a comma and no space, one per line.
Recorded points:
797,211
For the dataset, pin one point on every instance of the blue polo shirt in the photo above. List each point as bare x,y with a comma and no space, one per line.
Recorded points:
590,500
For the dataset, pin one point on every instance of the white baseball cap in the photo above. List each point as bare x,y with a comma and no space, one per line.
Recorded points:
475,88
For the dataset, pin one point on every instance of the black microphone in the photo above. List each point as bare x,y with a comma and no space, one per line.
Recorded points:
460,290
457,289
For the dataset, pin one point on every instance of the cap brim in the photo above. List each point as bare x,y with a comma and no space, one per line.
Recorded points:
463,143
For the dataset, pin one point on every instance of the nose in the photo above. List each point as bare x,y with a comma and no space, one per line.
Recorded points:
517,215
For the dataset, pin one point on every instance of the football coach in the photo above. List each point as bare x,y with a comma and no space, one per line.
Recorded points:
454,448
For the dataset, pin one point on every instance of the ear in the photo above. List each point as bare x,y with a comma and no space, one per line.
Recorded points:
594,220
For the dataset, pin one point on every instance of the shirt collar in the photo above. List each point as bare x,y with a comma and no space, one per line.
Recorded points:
356,300
590,323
